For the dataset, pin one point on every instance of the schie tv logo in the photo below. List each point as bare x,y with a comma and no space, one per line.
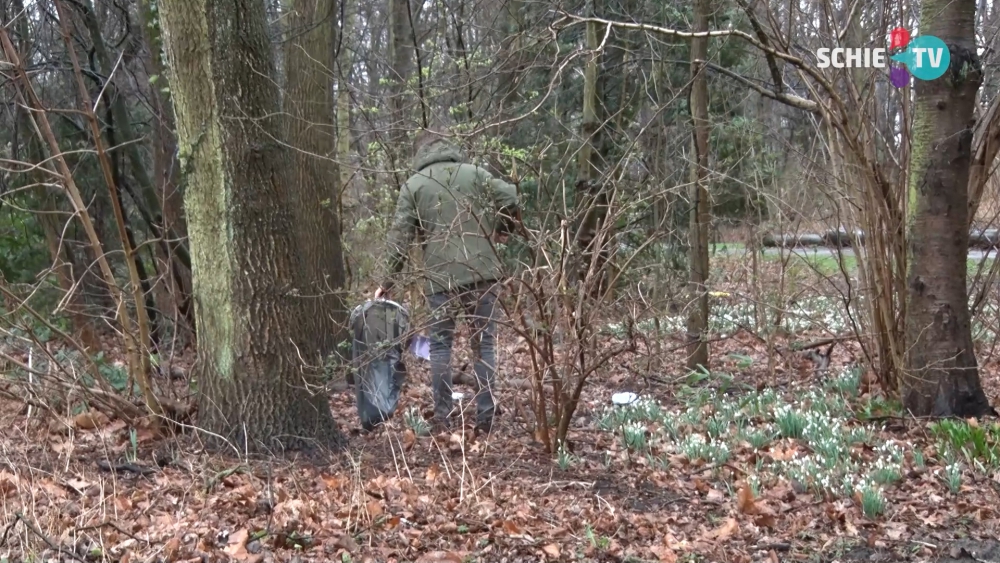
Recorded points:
926,56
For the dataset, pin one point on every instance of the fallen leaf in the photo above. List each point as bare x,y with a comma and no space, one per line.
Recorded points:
552,550
766,521
7,485
715,497
745,501
782,454
511,528
116,427
90,420
59,426
333,482
723,532
144,435
432,473
78,485
664,553
374,508
440,557
346,542
237,545
409,438
895,530
171,548
65,447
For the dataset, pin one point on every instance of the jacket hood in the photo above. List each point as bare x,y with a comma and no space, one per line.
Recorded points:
438,151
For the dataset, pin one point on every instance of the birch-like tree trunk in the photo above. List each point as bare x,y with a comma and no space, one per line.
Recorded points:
697,324
400,74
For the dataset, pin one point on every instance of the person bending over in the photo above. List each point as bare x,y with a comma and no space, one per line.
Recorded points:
457,211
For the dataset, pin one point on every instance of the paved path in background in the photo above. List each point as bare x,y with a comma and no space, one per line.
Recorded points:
807,251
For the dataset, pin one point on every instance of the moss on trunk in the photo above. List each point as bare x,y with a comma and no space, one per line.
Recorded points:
255,392
942,377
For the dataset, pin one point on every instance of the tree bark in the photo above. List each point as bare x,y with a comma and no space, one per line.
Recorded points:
591,193
942,377
166,170
401,63
309,63
254,390
344,49
697,323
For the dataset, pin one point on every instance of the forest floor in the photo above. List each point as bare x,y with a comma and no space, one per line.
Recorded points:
757,459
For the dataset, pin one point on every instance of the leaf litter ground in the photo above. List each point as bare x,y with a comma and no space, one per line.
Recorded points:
729,464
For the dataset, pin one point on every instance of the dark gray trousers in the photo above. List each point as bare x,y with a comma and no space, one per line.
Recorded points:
478,303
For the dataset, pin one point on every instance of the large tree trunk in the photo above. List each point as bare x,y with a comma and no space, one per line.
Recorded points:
942,378
697,324
309,62
254,389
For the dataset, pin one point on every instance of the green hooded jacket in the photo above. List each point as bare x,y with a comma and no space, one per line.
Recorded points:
453,208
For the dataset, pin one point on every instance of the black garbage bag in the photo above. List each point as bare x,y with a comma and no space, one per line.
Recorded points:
379,327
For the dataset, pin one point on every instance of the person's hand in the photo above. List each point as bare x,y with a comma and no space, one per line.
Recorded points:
379,293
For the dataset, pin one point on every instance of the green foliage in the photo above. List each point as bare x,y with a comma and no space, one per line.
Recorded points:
116,375
958,437
564,458
791,422
416,422
749,166
878,406
23,251
953,477
817,428
872,502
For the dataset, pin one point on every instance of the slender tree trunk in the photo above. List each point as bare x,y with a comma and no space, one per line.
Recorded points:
48,217
254,389
146,199
511,57
166,170
942,377
697,324
400,74
344,162
310,129
591,197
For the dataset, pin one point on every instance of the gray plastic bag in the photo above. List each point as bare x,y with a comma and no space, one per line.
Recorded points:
379,327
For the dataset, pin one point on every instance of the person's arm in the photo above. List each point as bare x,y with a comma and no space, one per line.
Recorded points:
508,208
401,234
